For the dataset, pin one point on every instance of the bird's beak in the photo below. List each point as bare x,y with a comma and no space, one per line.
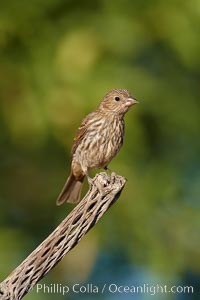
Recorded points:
131,101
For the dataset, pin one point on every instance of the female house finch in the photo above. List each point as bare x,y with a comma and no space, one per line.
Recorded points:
99,138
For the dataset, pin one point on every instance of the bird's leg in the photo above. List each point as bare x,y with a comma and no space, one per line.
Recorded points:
91,183
108,170
99,186
85,171
89,179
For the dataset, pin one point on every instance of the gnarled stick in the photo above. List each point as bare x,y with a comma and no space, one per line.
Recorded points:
103,192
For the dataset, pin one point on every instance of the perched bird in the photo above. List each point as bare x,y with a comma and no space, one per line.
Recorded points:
98,140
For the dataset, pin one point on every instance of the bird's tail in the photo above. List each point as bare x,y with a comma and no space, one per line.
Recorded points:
71,191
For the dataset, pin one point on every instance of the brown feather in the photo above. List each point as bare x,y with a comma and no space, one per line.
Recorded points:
98,140
71,191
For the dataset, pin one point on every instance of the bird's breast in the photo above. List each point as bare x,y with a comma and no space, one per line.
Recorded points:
103,140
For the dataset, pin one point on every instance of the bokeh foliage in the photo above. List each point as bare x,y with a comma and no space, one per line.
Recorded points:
57,59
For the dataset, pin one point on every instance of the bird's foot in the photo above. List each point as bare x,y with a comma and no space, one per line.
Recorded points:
110,173
89,179
102,182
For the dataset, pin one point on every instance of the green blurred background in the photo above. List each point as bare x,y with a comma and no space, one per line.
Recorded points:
57,60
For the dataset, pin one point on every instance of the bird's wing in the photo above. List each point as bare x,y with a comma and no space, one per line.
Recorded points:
82,131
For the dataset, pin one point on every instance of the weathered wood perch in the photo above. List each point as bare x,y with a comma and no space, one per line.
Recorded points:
103,192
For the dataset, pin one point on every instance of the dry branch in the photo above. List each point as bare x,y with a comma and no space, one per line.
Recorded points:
102,194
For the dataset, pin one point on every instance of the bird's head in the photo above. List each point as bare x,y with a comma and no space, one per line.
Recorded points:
117,101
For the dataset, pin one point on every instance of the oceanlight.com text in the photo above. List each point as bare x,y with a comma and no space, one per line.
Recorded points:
111,288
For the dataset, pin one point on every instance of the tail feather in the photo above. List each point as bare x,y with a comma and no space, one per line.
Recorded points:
71,191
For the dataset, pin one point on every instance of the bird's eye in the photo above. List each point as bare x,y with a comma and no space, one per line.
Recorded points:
117,98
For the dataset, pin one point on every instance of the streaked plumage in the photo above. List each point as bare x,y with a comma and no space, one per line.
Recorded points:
98,140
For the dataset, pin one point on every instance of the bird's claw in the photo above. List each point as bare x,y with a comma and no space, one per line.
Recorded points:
90,180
